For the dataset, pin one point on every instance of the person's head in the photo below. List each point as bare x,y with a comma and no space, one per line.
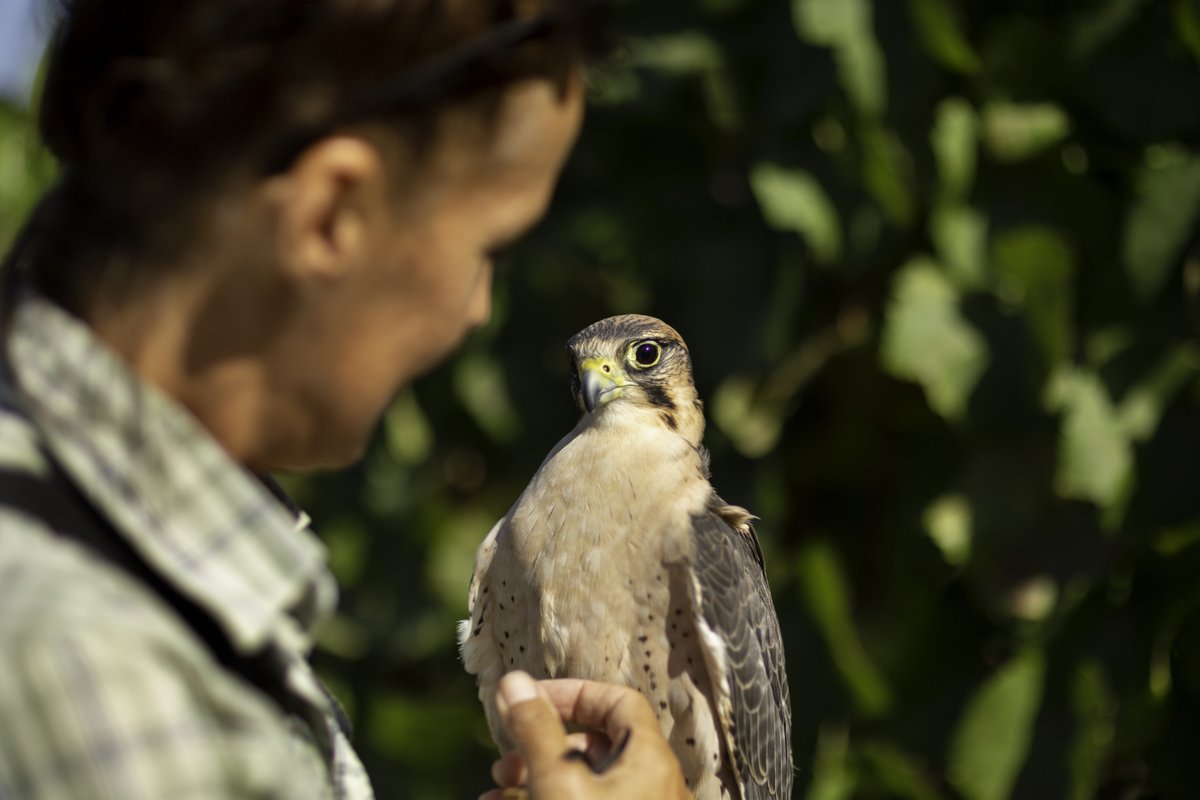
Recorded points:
309,189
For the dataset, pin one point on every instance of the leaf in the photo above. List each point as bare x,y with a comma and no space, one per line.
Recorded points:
1162,218
926,339
1035,271
409,436
937,25
1091,32
959,233
613,87
692,52
480,385
897,773
1186,15
1095,455
994,734
751,411
847,26
349,544
791,199
1095,729
752,426
680,53
887,171
343,636
948,523
414,730
722,6
955,142
452,547
1016,131
828,598
833,774
1142,406
25,170
1172,541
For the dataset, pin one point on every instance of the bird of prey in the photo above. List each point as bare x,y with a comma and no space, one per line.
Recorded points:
620,563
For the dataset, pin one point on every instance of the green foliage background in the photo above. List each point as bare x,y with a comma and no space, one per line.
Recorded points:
938,263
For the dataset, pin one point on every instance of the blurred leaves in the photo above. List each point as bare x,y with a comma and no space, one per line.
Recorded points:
1162,219
927,340
1016,131
955,140
752,411
1102,23
938,266
482,389
896,773
1142,406
1096,711
793,200
692,53
1035,271
828,599
887,172
1095,454
937,23
948,523
24,170
1187,24
409,436
960,235
996,730
833,774
847,27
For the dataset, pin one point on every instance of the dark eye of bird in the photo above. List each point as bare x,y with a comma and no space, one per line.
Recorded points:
647,354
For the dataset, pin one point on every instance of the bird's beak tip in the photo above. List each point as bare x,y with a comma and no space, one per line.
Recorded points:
595,387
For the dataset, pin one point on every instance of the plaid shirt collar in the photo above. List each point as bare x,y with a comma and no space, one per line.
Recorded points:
208,526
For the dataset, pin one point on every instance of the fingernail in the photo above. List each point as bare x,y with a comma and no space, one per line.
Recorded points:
517,687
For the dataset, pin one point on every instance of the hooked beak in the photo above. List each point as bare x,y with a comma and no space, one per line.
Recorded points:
596,383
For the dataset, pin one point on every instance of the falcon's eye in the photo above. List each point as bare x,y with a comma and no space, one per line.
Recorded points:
646,354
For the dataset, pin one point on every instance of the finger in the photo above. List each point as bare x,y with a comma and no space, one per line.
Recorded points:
532,721
581,741
613,709
510,770
595,745
505,794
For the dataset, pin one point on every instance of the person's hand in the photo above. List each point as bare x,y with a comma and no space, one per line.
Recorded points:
624,754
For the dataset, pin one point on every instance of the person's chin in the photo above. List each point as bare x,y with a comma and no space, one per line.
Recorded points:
330,454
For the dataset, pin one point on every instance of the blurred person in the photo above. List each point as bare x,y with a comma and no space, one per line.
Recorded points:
269,218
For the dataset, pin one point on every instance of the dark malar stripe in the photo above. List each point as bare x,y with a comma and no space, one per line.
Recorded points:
657,394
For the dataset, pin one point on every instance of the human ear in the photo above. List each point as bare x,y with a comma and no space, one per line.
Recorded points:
326,204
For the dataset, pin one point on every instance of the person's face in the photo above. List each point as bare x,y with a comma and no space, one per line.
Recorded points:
417,273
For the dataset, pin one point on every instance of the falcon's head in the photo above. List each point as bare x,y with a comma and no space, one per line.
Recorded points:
638,360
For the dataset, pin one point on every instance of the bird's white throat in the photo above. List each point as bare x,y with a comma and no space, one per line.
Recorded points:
637,470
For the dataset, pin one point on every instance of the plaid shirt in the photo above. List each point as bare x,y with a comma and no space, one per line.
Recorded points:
105,691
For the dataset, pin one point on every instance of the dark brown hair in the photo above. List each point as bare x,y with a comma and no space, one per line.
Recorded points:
151,108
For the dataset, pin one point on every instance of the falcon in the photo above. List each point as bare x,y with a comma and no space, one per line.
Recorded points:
620,563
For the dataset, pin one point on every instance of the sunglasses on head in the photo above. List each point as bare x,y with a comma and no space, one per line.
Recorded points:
443,74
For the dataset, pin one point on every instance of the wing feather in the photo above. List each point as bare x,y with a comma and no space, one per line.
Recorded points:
741,633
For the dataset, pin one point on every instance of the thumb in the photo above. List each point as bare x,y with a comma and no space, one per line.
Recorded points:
532,721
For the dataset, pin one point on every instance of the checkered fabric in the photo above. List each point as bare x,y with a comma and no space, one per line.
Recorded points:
105,690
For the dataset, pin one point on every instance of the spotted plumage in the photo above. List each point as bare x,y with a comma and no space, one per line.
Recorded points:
620,563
